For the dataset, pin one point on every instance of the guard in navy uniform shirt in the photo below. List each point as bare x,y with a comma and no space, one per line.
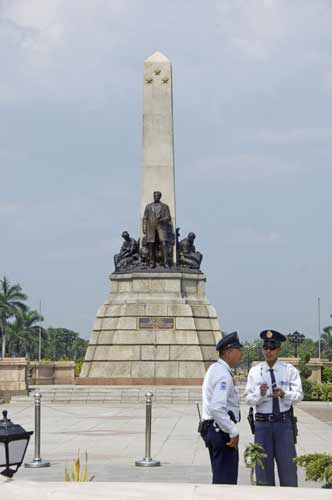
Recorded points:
221,411
273,387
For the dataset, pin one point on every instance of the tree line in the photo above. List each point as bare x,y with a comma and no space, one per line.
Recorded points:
20,330
252,351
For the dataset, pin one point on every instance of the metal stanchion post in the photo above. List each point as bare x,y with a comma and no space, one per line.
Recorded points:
37,461
147,461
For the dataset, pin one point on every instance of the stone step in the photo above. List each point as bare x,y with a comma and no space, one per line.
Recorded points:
57,394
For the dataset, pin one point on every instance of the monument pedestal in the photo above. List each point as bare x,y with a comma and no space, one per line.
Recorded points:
155,328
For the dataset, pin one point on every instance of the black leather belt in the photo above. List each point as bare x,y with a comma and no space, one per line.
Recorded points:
270,417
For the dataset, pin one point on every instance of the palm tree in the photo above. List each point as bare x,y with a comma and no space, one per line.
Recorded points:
24,331
11,301
326,339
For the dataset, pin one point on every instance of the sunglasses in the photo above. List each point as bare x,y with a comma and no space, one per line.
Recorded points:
269,348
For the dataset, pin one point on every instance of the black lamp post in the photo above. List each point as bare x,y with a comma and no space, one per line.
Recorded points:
14,441
296,338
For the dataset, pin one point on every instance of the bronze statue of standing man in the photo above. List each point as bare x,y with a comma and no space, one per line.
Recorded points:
158,231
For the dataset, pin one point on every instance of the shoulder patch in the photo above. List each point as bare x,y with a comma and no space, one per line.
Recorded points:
223,385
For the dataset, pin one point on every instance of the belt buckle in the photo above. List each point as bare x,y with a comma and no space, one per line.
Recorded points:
270,418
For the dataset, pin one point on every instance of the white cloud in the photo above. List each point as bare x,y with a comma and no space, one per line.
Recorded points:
328,80
242,167
296,136
10,207
89,251
60,48
250,235
258,29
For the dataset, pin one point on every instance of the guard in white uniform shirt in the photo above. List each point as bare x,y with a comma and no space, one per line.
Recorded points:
273,387
221,411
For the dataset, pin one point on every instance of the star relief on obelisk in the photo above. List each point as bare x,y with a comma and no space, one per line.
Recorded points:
149,79
157,65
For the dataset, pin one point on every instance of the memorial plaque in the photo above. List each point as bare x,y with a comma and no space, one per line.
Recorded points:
155,323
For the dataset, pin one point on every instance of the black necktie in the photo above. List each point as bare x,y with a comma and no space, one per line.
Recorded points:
275,401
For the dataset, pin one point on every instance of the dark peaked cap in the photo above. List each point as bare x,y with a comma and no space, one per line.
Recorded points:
272,338
229,341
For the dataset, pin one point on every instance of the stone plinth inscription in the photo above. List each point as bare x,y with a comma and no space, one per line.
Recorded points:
155,323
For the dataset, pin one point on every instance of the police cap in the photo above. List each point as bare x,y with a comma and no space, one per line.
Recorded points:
231,340
272,338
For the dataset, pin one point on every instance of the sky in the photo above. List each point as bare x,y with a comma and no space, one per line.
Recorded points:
252,88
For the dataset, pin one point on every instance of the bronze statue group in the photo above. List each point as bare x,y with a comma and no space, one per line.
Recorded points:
155,250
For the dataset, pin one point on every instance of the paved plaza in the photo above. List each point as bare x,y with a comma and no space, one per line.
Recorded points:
150,491
113,436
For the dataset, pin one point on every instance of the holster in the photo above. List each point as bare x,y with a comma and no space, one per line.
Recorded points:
203,427
294,424
232,416
251,419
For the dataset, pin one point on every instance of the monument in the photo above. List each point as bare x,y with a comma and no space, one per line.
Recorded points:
156,326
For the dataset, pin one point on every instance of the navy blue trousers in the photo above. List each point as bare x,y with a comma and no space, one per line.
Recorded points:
224,460
278,442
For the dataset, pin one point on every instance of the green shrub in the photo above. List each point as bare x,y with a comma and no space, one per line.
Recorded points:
327,374
307,389
305,373
254,455
321,392
318,467
304,370
78,367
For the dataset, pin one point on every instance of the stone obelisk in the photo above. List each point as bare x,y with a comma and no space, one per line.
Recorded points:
157,325
158,147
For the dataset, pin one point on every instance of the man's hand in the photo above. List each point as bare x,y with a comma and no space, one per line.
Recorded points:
278,393
234,442
264,388
162,219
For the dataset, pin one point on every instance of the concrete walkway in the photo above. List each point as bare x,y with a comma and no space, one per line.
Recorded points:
113,436
161,491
